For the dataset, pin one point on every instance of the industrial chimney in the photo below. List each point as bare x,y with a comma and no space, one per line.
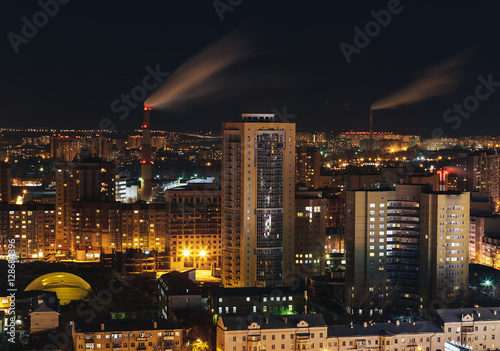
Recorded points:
371,132
443,177
146,162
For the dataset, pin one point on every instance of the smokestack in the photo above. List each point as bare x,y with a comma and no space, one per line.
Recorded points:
146,162
443,175
371,132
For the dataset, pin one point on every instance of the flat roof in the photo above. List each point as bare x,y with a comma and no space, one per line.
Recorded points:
125,325
253,291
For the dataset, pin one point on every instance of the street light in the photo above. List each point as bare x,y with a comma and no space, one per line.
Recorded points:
203,253
199,345
185,253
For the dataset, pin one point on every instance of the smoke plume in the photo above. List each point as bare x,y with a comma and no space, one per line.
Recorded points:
435,81
201,76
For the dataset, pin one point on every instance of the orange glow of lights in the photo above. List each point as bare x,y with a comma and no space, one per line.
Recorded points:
147,108
203,253
186,253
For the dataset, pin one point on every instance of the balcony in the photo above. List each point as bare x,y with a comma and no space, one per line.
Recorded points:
253,338
467,330
302,337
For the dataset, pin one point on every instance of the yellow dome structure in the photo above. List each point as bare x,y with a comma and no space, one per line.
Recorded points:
67,286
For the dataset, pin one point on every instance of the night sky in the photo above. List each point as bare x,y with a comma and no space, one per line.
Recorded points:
89,53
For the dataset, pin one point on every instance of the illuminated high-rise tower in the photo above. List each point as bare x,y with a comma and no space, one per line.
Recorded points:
146,162
258,201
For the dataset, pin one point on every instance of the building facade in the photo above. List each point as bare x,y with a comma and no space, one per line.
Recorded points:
115,226
194,226
484,240
299,332
67,146
258,201
409,244
308,166
470,328
31,226
483,174
87,178
127,334
444,252
257,301
310,234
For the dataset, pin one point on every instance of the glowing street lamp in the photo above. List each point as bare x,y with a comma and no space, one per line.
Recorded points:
203,253
186,253
199,345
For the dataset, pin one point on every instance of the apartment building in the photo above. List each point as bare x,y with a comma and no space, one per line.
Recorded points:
410,242
469,328
127,335
258,201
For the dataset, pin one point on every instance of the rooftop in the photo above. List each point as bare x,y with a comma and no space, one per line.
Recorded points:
455,315
384,329
253,291
258,117
125,325
178,283
271,322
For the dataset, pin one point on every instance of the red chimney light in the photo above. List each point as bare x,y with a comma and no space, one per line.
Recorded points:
147,108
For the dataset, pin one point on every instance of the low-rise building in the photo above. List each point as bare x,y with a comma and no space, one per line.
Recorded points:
44,312
127,334
298,332
177,292
471,328
478,328
256,301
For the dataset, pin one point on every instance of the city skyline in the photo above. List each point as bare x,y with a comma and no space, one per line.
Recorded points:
233,175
